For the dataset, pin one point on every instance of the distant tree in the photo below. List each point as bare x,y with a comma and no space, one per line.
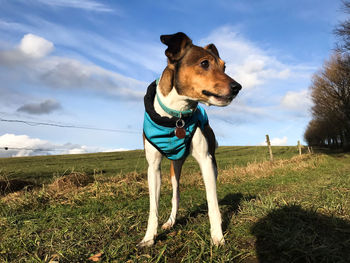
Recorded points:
315,134
330,92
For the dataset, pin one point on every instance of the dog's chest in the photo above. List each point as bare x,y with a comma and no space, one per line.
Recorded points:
165,139
161,131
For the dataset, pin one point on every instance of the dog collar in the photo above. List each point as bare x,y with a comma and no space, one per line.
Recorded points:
174,113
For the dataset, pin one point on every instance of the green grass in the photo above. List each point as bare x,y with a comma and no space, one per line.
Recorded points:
42,169
296,209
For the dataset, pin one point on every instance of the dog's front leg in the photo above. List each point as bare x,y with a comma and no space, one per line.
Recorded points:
154,159
209,173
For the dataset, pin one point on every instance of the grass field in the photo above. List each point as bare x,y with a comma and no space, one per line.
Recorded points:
296,209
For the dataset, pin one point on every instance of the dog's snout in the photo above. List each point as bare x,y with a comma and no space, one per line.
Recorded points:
235,87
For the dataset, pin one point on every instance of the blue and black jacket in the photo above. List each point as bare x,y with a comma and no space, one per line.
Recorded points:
160,131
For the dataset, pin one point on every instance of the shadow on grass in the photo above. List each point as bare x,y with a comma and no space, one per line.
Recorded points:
331,151
292,234
229,206
14,185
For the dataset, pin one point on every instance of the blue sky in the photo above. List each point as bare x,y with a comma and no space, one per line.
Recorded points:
88,63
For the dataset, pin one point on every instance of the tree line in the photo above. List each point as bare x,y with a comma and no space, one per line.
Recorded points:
330,93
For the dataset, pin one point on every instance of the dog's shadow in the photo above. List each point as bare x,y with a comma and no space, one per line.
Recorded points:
229,206
293,234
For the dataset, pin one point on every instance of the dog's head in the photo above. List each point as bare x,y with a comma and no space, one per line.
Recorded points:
198,72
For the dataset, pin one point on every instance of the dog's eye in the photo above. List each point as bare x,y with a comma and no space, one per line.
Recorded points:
205,64
224,68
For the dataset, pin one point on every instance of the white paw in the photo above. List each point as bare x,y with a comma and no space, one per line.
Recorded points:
218,241
146,243
167,225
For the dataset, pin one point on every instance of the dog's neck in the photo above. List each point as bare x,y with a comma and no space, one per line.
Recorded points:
172,100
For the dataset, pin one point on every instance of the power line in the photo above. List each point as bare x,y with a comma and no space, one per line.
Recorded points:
6,148
29,149
34,123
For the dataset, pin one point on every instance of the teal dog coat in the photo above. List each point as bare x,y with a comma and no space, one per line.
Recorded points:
160,131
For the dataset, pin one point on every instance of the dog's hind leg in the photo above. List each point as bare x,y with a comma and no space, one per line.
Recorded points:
175,171
154,158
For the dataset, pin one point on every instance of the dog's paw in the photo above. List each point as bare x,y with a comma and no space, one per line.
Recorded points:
168,225
218,241
146,243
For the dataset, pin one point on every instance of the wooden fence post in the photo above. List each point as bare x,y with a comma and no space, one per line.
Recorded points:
299,147
269,145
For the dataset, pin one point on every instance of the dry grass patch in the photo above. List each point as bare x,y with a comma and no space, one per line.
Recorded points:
236,174
62,188
66,186
258,170
71,181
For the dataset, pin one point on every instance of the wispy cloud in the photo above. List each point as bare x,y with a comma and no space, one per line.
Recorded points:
262,74
79,4
14,26
256,68
33,64
125,52
239,112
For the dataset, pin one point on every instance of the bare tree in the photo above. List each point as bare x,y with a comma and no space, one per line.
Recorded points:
330,92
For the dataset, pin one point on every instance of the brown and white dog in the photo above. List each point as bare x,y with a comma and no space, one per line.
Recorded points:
193,74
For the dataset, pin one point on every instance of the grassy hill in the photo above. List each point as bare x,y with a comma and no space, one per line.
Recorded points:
41,169
296,209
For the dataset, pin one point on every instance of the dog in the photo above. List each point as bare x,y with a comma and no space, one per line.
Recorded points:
176,126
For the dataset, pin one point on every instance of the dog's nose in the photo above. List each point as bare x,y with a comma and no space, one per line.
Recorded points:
235,87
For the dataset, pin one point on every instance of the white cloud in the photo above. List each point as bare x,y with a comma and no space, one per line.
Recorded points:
279,141
276,141
23,145
35,46
116,150
33,65
299,101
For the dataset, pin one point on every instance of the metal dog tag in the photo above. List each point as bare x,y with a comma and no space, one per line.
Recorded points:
180,131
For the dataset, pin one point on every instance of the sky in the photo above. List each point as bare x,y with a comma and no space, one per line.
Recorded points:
81,68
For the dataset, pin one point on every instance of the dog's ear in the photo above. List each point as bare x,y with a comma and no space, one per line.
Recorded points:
213,49
177,45
166,82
